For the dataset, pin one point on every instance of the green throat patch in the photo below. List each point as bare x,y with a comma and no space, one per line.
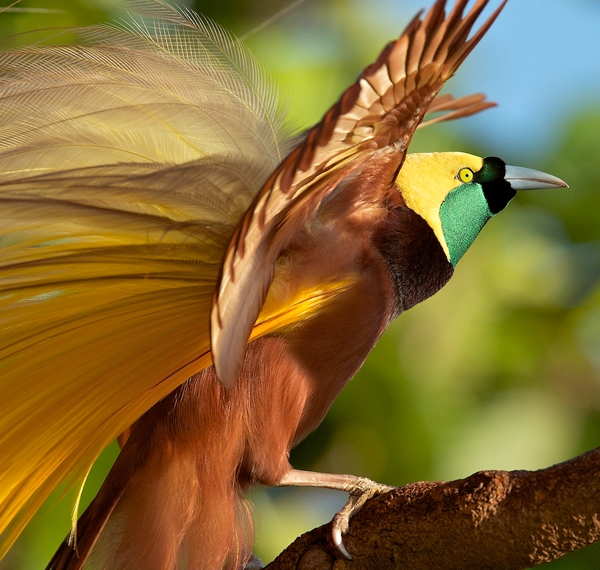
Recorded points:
463,213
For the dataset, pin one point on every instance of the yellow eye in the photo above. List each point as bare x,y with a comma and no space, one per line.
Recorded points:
465,175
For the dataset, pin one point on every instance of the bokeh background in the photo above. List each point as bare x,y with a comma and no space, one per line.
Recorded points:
500,370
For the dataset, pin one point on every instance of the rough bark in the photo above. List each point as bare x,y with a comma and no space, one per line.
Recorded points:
493,519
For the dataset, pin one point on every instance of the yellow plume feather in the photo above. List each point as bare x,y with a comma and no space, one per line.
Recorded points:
124,167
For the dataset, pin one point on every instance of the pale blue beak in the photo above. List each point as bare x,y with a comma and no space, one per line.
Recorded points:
528,179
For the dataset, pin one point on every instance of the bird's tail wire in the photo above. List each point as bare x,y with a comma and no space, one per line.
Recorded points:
271,19
10,7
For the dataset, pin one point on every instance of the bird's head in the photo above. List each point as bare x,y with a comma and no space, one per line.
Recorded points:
457,193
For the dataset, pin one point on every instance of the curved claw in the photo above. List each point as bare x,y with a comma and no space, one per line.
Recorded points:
360,489
364,490
336,535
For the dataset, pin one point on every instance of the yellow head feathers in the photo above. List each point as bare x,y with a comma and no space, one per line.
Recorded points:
425,180
457,193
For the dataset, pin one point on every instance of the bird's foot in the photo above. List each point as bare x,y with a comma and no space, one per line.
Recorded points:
361,490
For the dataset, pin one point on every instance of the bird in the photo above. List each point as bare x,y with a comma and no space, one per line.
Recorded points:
181,272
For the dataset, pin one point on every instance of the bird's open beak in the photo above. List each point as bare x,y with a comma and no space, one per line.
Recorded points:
528,179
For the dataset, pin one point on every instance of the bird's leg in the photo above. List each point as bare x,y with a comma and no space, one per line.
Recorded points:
361,490
254,563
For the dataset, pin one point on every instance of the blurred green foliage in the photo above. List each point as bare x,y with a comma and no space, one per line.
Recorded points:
500,370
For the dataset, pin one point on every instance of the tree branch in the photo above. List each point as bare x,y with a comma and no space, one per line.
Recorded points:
499,520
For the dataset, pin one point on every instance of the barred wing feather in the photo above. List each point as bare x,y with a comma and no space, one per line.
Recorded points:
374,118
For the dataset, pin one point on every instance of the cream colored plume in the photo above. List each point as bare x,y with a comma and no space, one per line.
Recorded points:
125,164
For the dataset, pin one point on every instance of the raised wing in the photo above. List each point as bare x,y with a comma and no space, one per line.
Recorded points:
375,117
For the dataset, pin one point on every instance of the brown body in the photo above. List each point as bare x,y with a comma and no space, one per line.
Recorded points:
330,213
195,452
177,269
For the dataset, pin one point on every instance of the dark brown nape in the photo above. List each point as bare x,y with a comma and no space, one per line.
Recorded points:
417,263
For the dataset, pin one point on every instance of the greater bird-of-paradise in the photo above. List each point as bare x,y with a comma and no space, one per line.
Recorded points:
177,271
